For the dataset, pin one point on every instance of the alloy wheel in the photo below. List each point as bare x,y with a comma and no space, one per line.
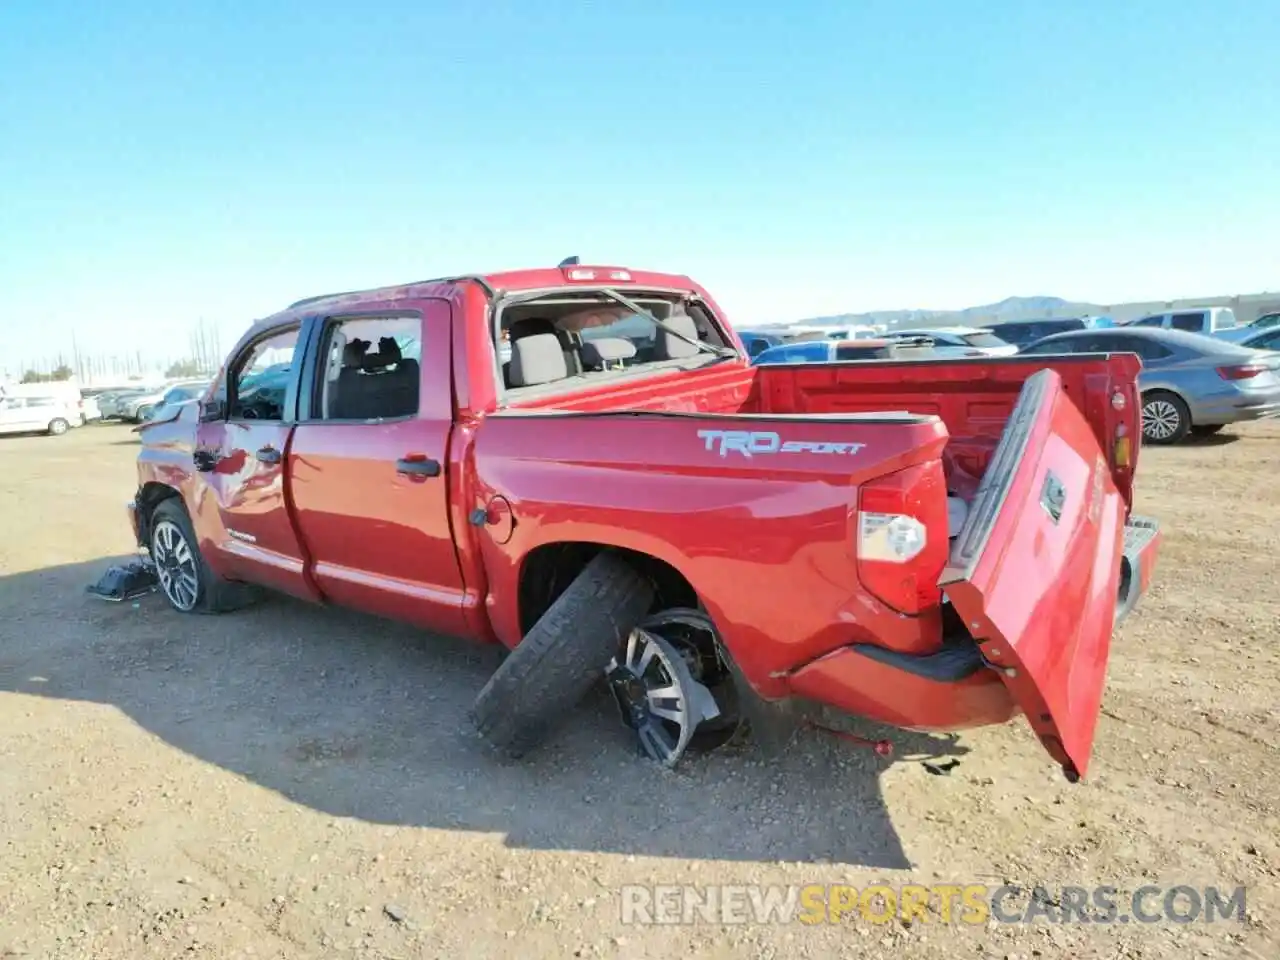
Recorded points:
175,563
1160,419
671,686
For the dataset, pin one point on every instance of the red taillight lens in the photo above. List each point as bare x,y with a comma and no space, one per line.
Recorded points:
901,537
1242,371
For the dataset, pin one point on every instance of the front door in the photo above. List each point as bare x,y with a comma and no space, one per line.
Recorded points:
367,465
1036,572
240,511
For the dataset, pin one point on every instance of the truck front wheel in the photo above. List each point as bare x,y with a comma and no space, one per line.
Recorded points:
562,656
185,578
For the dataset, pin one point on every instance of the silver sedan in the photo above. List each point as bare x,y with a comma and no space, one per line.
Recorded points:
1191,384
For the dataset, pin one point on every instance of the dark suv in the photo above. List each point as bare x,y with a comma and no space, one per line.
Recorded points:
1023,333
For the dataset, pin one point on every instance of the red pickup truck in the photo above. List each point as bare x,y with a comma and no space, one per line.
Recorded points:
579,463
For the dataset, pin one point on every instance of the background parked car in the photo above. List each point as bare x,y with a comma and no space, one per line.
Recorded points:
1265,322
841,351
1190,383
1267,338
54,415
175,396
138,407
111,401
1217,322
89,409
759,340
1023,333
960,341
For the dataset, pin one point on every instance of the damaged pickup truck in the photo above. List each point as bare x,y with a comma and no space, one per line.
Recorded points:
580,464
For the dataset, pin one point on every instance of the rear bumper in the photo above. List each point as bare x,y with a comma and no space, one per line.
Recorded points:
1141,547
949,690
955,688
1240,408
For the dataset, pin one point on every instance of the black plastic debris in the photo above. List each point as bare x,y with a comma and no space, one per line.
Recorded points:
941,769
124,582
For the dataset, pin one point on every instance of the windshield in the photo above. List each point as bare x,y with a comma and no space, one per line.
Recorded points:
983,339
1226,318
849,351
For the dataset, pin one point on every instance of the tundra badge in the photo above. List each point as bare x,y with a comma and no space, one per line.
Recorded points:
750,442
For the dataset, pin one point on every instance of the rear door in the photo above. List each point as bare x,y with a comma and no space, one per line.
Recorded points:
368,464
1035,571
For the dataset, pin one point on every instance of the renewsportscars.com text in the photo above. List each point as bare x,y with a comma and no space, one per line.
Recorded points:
938,903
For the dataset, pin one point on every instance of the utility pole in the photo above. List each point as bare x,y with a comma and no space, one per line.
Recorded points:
75,353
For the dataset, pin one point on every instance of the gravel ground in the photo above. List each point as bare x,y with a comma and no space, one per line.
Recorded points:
295,782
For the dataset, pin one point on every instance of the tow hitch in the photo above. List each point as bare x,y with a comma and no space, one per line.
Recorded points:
122,582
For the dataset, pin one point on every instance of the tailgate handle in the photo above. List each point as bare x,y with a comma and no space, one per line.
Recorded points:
418,467
268,455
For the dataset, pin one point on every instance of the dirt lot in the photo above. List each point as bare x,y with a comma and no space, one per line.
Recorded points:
295,782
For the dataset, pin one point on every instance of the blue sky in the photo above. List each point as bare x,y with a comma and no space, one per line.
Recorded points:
162,163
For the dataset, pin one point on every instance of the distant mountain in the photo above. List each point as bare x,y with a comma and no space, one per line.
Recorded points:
1010,308
1246,306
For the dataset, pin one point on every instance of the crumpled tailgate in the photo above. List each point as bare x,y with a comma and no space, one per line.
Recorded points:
1036,569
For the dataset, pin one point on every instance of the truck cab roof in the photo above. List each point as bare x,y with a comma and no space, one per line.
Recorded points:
537,278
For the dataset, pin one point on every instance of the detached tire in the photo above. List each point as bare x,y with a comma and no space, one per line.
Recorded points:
188,583
559,660
1165,418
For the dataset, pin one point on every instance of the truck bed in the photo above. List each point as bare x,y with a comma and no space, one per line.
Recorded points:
972,398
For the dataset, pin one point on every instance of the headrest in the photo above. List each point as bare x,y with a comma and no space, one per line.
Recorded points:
671,347
531,327
535,359
606,350
388,353
353,353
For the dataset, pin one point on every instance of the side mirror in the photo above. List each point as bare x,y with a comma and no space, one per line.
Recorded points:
214,409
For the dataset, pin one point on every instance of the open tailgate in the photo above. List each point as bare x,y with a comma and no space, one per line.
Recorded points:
1036,569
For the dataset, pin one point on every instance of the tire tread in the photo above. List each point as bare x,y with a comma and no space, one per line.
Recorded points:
216,594
562,656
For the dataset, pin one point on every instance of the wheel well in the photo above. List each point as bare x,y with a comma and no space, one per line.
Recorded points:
150,496
550,568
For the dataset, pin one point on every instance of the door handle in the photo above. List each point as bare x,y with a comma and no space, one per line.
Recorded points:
424,467
204,460
268,455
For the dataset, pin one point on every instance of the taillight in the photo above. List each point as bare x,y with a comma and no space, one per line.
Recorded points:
1242,371
901,535
1122,454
